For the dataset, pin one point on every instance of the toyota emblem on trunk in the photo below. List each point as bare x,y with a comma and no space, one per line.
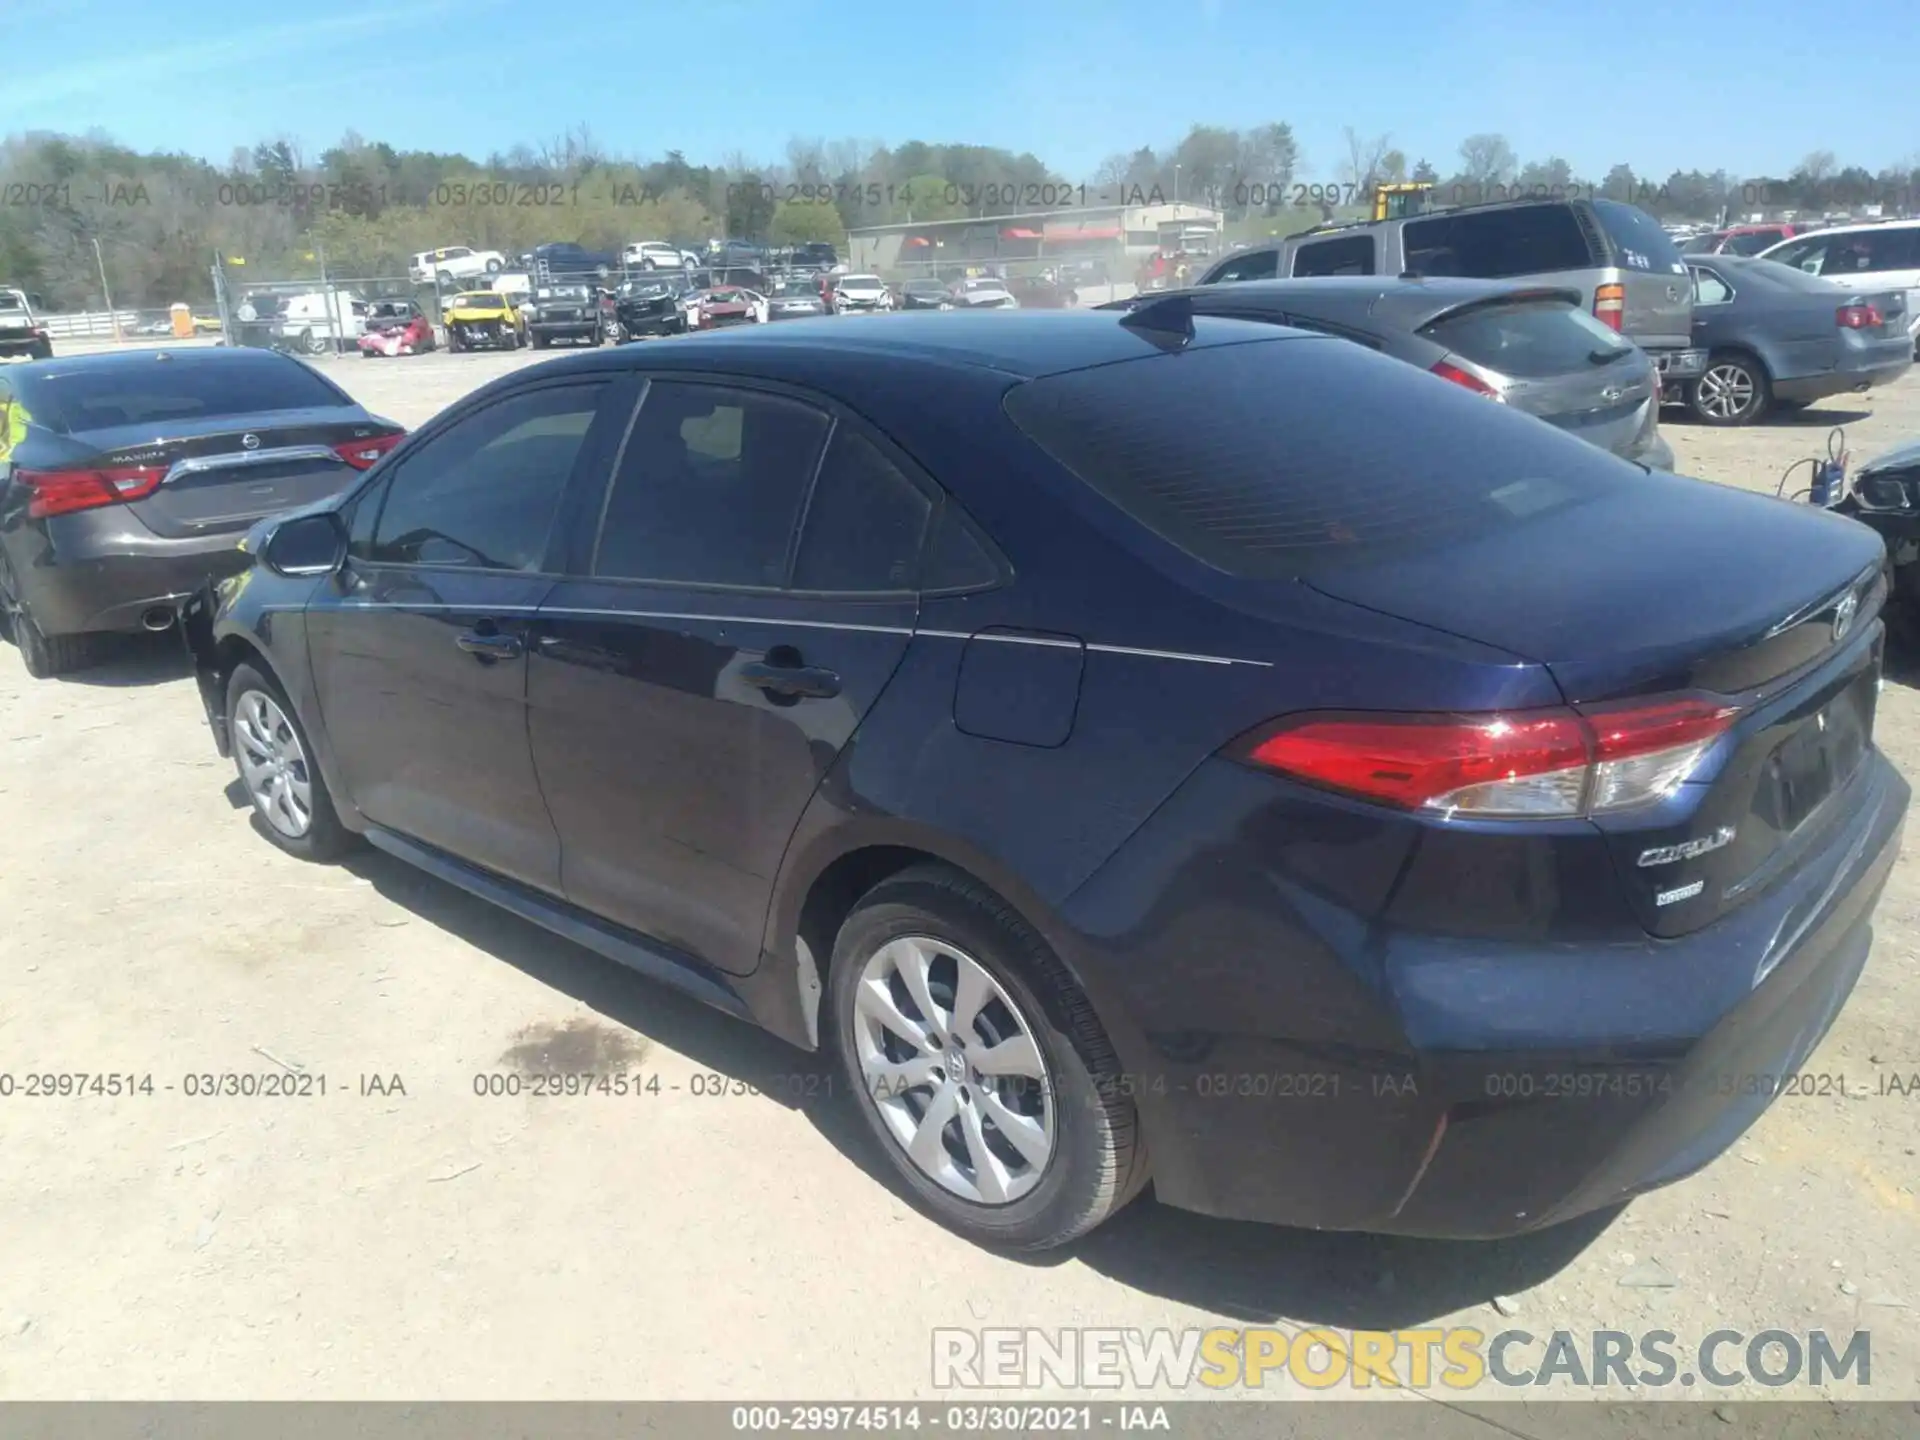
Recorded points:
250,442
1843,617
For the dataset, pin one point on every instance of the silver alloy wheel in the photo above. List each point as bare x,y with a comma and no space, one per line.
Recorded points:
273,764
1726,392
951,1064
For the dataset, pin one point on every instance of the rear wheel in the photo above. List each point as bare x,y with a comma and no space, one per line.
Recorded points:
1733,390
271,752
46,656
979,1064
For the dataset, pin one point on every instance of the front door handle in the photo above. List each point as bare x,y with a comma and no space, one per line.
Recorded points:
489,646
792,681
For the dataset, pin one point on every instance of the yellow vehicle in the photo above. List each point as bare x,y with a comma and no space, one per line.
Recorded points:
1399,199
476,318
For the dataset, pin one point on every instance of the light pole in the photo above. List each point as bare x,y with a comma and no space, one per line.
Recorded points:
1176,184
113,316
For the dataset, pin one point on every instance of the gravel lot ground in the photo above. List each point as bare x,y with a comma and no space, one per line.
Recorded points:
698,1242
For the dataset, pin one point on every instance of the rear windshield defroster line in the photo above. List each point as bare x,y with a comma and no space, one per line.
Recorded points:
1279,459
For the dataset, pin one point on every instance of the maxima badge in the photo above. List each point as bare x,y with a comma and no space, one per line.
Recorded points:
1686,849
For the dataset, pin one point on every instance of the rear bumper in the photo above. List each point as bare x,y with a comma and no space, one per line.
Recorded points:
1679,365
102,571
1851,376
1297,1061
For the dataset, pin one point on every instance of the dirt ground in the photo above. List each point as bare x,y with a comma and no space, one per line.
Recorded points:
402,1236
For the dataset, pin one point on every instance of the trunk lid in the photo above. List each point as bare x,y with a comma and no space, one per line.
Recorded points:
216,482
1684,607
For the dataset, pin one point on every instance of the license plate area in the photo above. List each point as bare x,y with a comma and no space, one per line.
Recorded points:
1819,757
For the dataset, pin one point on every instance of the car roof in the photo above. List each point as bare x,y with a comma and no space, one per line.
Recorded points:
1026,344
193,357
1410,303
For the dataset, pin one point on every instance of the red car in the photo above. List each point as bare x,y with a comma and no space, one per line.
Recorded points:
396,327
1743,239
711,309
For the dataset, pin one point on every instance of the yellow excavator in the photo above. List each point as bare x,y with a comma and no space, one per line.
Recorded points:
1393,201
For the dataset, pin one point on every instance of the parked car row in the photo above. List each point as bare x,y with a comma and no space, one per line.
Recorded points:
1732,339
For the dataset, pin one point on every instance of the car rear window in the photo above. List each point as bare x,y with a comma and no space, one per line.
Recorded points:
1637,236
1240,455
93,399
1529,341
1496,244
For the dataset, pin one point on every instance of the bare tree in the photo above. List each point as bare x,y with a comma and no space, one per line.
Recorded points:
1487,159
1365,157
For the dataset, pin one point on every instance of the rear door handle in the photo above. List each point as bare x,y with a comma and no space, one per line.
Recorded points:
796,681
489,646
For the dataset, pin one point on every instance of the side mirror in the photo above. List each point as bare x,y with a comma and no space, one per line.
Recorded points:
307,545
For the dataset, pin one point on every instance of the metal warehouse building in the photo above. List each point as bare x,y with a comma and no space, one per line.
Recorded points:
1120,235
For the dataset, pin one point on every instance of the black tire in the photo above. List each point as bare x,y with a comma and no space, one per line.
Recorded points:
1099,1160
540,342
444,280
649,265
313,344
42,350
326,838
46,656
1734,390
493,267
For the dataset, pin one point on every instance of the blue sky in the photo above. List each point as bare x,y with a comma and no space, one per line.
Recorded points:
1712,83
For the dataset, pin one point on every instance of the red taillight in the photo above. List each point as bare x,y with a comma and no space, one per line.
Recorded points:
1610,305
1860,317
1462,377
61,492
1539,764
362,453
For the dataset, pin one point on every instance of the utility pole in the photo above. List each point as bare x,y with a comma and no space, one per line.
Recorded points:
113,316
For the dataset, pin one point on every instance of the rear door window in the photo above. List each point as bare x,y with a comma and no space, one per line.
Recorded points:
864,524
1709,288
1495,244
1348,255
1529,341
1638,241
1236,455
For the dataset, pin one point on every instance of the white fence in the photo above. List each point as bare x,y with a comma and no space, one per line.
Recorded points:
99,324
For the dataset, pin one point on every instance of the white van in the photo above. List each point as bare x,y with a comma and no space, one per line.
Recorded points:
319,326
1879,255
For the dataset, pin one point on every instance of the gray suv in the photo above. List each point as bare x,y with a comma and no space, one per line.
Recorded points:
1626,267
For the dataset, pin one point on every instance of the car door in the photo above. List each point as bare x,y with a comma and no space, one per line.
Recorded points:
418,645
748,594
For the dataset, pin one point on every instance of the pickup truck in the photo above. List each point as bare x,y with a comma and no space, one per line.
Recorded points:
20,333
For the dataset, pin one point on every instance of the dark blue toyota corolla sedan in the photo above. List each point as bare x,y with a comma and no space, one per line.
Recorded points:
1141,749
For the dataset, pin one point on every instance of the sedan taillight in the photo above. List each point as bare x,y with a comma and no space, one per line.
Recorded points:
62,492
1860,317
362,453
1465,379
1537,764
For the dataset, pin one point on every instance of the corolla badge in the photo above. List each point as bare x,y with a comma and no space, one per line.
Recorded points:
1843,614
1686,849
